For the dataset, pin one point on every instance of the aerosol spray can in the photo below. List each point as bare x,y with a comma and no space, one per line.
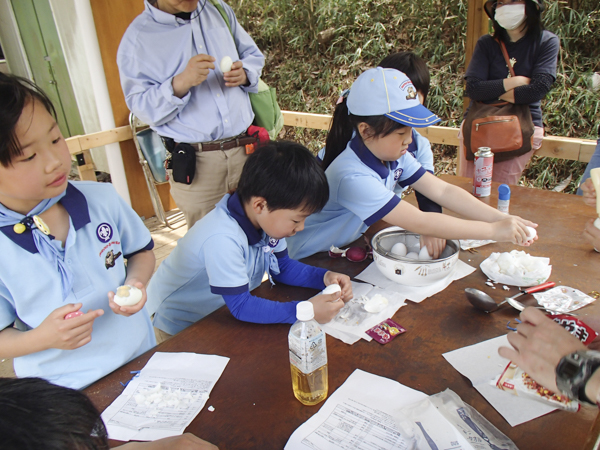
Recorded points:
482,176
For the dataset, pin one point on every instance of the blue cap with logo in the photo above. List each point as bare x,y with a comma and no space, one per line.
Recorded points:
390,93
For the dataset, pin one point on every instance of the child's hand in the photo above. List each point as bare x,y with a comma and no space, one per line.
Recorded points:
589,192
236,76
128,310
435,246
513,229
326,306
592,234
67,334
342,280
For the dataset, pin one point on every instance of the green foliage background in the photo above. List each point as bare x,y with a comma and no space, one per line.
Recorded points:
309,70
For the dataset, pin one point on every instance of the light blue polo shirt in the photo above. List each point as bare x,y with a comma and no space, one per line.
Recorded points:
222,254
361,191
420,148
103,232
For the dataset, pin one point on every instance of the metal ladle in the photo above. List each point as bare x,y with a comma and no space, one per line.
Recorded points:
483,301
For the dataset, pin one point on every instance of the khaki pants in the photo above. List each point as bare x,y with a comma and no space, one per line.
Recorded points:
217,172
508,171
161,336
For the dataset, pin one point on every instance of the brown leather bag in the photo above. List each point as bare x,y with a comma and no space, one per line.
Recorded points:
504,127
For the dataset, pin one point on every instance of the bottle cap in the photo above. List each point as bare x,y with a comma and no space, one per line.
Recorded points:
305,311
503,192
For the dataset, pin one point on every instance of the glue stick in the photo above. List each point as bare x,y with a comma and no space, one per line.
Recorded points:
503,198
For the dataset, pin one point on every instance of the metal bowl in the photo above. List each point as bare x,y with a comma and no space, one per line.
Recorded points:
411,272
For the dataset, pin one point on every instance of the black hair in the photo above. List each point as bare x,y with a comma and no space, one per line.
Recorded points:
15,93
286,175
343,124
413,66
36,414
533,21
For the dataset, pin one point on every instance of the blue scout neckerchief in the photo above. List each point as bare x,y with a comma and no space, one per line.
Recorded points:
270,260
43,242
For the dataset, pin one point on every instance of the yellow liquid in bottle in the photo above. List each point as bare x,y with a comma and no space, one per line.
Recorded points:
311,388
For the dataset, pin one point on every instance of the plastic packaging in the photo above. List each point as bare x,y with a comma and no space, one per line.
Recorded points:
308,357
503,198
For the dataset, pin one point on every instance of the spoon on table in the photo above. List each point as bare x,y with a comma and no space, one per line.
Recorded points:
520,306
483,301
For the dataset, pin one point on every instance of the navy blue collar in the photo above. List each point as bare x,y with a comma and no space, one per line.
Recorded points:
236,209
77,207
370,160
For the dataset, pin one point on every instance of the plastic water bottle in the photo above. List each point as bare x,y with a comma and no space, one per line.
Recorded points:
503,198
308,356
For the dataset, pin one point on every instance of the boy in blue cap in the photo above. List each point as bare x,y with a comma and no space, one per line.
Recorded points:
63,248
225,255
366,156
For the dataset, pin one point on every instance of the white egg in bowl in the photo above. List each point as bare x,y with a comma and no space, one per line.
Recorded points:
405,270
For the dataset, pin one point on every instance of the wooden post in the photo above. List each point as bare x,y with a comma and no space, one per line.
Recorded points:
112,17
477,26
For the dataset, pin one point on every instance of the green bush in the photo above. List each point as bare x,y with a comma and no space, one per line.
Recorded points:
316,48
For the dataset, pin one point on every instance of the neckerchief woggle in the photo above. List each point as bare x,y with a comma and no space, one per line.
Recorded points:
42,241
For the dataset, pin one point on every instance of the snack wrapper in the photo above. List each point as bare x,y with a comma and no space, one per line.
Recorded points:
576,327
517,382
514,380
563,299
385,331
516,268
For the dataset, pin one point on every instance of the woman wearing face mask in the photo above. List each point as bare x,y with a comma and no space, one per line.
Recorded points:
533,54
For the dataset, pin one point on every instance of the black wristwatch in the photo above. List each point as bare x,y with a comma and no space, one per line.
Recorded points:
574,371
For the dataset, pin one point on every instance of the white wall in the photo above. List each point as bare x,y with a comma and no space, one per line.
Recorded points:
11,42
70,33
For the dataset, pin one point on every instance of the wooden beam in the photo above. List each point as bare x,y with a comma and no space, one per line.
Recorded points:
101,138
306,120
553,146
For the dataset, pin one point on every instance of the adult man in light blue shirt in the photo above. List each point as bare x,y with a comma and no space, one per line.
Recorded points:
169,66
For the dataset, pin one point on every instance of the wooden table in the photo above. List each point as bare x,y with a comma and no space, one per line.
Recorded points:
253,400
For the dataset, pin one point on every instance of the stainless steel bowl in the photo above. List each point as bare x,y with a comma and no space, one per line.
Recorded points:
411,272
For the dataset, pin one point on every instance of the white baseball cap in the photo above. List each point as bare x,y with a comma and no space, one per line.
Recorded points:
390,93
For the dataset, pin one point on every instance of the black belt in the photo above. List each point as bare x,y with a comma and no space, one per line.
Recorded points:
224,144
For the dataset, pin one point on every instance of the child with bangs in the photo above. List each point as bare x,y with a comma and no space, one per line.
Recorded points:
64,246
366,157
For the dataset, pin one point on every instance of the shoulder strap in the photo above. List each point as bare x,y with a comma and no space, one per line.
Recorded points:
221,10
506,58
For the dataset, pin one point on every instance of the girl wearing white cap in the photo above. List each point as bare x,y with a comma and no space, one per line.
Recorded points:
366,156
533,54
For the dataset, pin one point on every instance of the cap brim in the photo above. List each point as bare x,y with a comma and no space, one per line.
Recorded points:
416,117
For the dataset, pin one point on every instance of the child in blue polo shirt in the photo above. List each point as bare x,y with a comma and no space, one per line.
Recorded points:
63,250
225,255
417,71
366,156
